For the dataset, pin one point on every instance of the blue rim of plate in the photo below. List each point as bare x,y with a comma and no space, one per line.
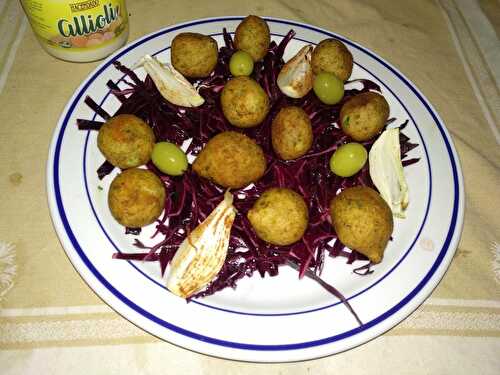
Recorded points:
380,279
238,345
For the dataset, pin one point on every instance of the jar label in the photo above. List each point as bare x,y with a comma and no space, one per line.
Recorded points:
76,25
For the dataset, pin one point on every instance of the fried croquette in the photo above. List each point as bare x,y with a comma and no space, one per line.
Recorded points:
332,56
291,133
245,104
253,36
194,55
231,159
364,115
136,197
126,141
280,216
363,221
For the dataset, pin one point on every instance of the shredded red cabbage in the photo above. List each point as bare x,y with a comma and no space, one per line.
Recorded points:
190,199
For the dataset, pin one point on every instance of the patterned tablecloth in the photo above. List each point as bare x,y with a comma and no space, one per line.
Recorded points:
51,322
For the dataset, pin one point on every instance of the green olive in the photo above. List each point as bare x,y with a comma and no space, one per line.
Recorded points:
328,88
348,159
169,158
241,64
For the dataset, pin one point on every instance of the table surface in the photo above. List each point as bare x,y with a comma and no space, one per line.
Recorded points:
51,322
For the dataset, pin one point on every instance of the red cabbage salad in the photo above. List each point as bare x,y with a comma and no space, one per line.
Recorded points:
190,198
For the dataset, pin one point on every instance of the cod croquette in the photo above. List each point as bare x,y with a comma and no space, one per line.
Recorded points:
364,115
231,159
332,56
194,55
252,35
363,221
280,216
244,102
291,133
136,197
126,141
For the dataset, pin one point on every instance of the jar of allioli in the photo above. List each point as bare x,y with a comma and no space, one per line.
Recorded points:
80,31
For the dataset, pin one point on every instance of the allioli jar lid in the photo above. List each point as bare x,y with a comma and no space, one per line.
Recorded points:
78,30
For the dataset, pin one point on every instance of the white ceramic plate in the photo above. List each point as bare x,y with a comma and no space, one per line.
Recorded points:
271,319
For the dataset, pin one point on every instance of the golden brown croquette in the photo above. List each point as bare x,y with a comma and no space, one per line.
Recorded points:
245,104
231,159
252,36
291,133
332,56
280,216
194,55
364,115
126,141
136,197
363,221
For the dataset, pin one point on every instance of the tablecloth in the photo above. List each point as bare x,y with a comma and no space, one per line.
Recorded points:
50,320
